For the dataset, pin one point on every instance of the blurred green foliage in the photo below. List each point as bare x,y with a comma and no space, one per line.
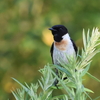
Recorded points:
23,48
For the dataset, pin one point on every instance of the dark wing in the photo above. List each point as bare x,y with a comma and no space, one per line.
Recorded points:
51,51
75,47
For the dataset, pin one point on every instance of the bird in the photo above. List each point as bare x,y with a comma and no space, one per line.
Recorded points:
62,45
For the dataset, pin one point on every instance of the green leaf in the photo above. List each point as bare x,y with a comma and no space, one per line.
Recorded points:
85,70
97,98
93,77
40,84
84,40
63,70
88,90
25,88
70,84
57,97
88,37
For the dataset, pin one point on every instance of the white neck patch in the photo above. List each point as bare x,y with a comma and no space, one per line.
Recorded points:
66,36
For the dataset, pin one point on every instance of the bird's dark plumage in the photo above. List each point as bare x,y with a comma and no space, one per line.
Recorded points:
51,51
58,31
75,47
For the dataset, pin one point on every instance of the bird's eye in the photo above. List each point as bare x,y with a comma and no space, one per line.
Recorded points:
55,34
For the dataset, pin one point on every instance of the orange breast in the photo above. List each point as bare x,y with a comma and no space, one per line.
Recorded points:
61,45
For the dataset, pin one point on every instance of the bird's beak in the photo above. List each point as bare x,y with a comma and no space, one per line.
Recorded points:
52,29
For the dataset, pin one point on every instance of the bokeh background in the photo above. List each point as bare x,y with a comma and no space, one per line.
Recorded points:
25,39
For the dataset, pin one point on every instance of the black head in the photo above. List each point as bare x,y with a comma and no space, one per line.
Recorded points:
58,31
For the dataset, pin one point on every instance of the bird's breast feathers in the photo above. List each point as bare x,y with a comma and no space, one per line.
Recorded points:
63,49
61,45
